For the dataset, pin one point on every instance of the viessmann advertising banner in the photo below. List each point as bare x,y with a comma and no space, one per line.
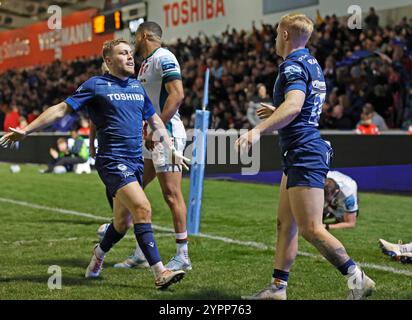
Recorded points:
37,44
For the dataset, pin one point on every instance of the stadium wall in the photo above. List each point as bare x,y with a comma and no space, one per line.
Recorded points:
376,162
183,18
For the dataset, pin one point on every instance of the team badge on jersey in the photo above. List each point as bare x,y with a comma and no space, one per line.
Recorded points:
122,167
168,66
292,70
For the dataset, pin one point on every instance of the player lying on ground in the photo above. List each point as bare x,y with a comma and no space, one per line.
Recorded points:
299,94
117,105
341,201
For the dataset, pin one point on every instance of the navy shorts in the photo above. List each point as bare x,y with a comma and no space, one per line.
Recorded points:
117,172
307,165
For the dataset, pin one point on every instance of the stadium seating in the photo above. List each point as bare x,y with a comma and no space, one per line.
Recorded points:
355,74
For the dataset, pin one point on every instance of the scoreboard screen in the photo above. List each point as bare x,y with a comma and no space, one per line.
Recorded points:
107,23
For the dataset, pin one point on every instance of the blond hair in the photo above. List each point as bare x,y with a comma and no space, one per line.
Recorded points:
61,140
298,25
110,44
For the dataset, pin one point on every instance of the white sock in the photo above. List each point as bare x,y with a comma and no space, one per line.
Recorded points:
99,252
182,248
355,277
407,247
158,268
138,252
278,283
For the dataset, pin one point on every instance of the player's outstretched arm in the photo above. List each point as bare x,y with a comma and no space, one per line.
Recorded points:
160,135
46,118
349,221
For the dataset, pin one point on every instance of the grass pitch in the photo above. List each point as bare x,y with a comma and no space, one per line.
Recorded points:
32,239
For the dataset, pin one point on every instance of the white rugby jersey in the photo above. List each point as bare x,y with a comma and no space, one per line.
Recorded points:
160,67
347,198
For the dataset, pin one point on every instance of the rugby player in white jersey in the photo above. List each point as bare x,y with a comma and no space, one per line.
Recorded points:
161,78
341,200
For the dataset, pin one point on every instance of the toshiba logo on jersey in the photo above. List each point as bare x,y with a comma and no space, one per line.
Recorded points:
126,96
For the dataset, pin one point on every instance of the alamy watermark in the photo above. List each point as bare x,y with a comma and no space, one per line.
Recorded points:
220,149
55,20
55,280
355,18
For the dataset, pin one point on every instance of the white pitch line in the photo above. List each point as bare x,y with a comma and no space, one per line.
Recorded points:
23,242
250,244
20,242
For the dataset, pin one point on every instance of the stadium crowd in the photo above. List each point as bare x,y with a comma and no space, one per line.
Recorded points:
366,70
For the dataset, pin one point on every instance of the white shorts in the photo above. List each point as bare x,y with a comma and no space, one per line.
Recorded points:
160,156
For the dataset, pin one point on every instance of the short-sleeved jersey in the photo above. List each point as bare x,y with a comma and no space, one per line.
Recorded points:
160,67
118,108
347,198
300,71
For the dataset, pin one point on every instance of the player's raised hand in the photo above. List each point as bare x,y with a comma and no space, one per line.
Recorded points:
180,159
10,139
265,111
246,140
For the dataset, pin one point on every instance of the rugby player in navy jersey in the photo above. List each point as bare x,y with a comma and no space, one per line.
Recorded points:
117,105
298,97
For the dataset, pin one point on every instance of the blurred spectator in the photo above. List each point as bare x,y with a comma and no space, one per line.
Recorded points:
372,19
84,127
33,115
2,116
64,158
376,118
329,72
366,126
79,150
22,123
261,97
12,118
338,119
217,69
58,157
66,123
215,118
372,65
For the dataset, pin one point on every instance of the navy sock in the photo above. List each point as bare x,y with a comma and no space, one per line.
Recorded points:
145,238
345,267
281,275
111,237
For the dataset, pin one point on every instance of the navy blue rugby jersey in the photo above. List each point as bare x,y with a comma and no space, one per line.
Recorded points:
118,108
300,71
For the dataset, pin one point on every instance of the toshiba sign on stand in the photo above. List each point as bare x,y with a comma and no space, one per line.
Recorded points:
187,12
182,18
